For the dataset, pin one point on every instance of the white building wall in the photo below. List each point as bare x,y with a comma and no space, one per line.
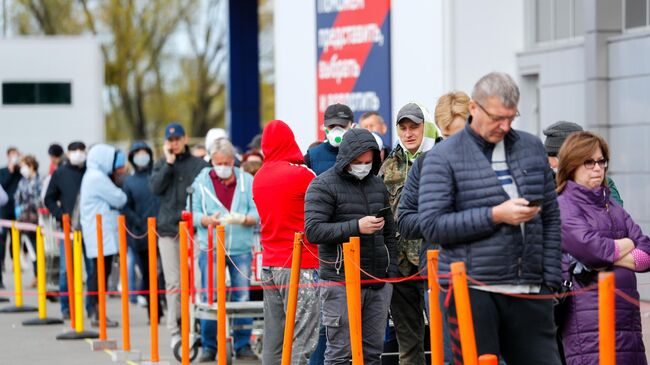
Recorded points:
32,128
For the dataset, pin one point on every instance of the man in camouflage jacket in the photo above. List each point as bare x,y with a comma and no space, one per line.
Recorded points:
416,136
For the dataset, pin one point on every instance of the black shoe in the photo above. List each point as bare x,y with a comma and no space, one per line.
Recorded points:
207,355
246,353
109,323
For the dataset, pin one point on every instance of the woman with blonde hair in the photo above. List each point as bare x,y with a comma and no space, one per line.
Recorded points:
597,235
452,112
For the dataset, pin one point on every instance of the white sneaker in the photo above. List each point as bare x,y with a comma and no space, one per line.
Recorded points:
142,301
176,338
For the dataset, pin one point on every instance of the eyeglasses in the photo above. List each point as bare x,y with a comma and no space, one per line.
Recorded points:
590,164
498,118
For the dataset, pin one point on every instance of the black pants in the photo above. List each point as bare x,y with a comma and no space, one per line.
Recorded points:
521,330
143,265
406,309
93,284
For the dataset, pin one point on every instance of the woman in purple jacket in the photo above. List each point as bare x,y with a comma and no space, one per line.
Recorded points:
597,235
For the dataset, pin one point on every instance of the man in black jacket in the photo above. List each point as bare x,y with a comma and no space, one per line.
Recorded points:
341,203
487,196
9,178
61,198
171,177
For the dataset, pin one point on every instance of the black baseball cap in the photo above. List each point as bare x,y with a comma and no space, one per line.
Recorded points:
338,114
412,112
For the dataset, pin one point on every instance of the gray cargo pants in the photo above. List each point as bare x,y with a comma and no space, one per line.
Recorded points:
374,314
275,283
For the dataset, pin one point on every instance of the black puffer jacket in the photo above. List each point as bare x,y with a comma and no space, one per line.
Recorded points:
141,203
458,189
170,183
63,190
335,202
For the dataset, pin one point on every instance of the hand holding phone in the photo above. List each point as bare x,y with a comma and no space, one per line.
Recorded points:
383,212
535,203
169,155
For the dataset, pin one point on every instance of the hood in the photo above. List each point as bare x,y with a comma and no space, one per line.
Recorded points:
279,143
140,145
355,142
101,157
431,133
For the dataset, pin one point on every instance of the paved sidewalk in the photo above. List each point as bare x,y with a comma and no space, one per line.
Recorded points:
38,344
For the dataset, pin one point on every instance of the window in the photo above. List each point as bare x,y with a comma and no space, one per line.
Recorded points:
31,93
558,19
636,13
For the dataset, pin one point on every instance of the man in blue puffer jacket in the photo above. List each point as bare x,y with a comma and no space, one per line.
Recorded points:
487,196
100,195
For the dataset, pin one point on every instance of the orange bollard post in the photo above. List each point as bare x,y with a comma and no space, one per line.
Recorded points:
153,288
221,295
103,343
101,278
292,300
68,267
464,313
78,333
488,359
126,354
607,318
435,316
353,290
40,278
210,255
126,335
185,294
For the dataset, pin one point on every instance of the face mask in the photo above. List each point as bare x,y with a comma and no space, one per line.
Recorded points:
335,135
14,159
26,171
141,159
360,170
77,157
223,172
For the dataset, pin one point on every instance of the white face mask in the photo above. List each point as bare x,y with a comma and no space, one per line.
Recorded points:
360,170
26,171
223,172
77,157
14,159
141,159
335,135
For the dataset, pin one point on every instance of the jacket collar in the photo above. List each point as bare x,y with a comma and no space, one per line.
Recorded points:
510,138
597,196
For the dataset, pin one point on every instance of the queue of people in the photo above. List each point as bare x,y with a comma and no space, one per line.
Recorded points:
526,217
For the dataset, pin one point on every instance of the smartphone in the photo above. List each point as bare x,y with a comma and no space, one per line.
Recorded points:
535,203
383,212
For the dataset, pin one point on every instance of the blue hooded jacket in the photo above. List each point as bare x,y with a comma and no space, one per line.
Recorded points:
99,195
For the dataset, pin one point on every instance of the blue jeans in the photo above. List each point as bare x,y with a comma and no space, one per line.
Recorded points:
63,281
133,260
209,327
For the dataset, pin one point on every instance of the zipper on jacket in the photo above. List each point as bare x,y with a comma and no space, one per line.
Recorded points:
365,199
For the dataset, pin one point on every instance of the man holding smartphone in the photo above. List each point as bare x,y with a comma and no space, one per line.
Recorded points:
344,202
172,175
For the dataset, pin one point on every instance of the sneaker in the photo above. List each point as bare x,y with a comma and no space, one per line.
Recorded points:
141,301
176,338
246,353
207,355
109,323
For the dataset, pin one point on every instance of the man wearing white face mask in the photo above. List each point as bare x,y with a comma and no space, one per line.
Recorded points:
338,119
61,197
346,201
223,194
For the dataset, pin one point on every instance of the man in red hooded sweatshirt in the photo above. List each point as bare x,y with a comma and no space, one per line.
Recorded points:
279,189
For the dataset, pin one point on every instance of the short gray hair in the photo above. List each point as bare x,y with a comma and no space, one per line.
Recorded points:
222,146
497,84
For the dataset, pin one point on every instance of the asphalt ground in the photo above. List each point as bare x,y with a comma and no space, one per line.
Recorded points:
21,344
